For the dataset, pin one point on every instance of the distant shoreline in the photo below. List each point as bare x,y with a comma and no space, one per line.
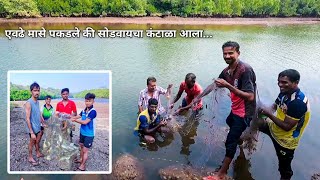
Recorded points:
173,20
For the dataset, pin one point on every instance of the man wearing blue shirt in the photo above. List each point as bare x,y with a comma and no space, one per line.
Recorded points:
87,129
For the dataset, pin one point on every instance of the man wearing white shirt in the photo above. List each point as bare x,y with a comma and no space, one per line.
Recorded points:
151,91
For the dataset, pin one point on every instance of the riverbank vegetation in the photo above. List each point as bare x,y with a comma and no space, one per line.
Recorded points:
22,93
139,8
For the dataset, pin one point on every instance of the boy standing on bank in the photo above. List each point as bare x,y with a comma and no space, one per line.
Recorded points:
87,129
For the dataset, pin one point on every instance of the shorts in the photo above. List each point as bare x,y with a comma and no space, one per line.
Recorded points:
142,135
86,141
37,132
237,125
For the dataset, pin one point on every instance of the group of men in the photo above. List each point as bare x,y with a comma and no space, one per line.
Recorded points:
37,121
285,128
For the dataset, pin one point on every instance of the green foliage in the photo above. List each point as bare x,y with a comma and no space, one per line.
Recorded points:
18,95
100,93
184,8
317,8
21,93
99,7
151,10
308,7
208,8
224,8
288,8
237,7
19,8
2,10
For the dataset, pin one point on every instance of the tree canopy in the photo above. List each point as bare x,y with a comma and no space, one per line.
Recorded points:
21,93
100,93
183,8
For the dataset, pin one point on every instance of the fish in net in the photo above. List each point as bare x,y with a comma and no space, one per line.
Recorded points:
174,123
181,124
251,135
57,145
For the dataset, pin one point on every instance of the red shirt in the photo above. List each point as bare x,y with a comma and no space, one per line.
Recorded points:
243,78
69,108
191,93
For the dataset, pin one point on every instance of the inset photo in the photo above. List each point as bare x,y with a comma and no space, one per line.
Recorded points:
59,122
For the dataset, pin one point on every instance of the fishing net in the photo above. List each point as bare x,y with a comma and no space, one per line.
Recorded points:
251,135
172,124
216,132
57,145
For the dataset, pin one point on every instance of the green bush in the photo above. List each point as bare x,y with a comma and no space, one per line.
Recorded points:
19,8
184,8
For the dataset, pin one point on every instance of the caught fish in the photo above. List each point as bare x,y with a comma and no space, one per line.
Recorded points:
251,135
57,145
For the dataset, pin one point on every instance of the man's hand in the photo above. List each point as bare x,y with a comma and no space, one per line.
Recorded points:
196,100
265,111
33,136
178,111
73,118
44,125
222,83
163,123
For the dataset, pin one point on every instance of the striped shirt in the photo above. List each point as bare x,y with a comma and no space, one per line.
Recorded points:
144,98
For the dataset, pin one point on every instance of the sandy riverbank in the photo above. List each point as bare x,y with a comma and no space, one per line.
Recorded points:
168,20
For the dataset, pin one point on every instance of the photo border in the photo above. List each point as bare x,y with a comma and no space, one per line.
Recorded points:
109,171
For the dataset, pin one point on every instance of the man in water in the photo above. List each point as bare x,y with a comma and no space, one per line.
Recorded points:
240,79
34,120
151,91
149,122
193,89
292,116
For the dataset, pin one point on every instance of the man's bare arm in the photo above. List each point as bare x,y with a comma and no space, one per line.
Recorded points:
28,113
140,108
177,97
152,130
